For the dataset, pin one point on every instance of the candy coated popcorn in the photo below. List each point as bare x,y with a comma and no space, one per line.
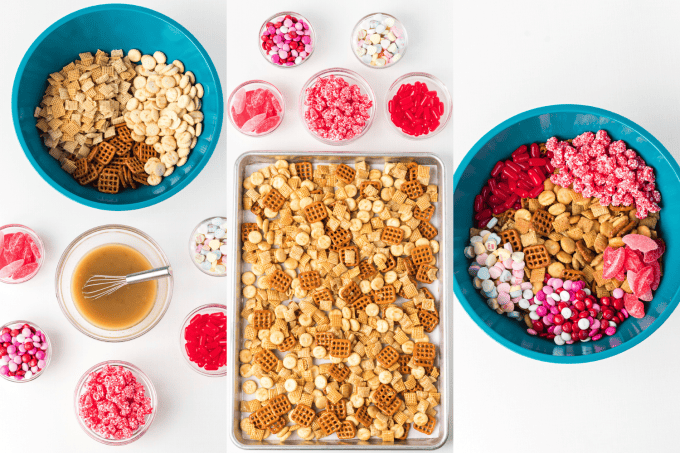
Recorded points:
113,403
609,171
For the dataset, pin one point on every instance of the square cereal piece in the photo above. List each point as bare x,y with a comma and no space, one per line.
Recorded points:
529,239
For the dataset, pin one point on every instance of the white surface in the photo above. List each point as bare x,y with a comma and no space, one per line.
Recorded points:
333,23
191,410
620,56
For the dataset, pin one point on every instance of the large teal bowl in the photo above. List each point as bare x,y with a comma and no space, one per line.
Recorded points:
109,27
538,125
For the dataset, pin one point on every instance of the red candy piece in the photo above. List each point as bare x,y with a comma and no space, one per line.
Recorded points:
13,249
643,281
640,242
654,255
633,259
9,269
634,307
415,109
25,270
657,274
267,125
613,262
253,122
256,111
206,340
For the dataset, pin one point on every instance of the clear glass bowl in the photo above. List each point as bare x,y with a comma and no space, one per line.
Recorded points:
16,228
353,79
150,392
192,246
432,83
88,241
363,24
48,355
202,310
281,16
253,85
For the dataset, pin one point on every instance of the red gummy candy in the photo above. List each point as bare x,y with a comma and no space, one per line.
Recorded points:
239,101
28,255
634,307
654,255
14,249
613,261
640,242
25,271
643,281
267,125
34,248
657,274
633,259
252,123
8,270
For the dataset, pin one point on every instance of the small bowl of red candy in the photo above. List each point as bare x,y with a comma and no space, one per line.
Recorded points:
25,351
22,253
418,105
115,402
337,106
203,340
256,108
286,39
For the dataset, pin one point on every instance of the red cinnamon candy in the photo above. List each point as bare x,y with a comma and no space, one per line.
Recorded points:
206,340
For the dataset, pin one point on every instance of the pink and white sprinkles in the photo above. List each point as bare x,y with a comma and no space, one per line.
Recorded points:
113,403
597,167
336,110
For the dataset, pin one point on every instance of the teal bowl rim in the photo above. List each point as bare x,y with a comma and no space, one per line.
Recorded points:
128,206
570,108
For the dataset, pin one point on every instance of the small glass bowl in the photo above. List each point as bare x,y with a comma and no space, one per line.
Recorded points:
84,244
16,228
353,79
192,246
364,24
253,85
274,19
433,83
48,355
202,310
150,391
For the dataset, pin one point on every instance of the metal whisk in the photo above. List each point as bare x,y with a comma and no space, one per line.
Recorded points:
103,285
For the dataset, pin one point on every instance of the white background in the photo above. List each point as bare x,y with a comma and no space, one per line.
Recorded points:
510,57
333,23
40,415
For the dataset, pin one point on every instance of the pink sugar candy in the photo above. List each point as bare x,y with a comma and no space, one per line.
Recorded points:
508,263
495,272
547,290
540,296
557,283
503,287
481,259
526,285
516,280
567,285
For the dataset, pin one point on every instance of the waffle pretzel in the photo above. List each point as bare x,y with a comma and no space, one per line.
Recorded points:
390,263
362,302
385,295
266,359
122,147
134,165
388,356
339,372
341,237
536,256
263,417
367,269
123,132
572,274
280,405
322,294
105,153
364,184
340,348
328,422
392,235
143,152
425,215
404,360
390,408
542,222
108,181
339,408
345,254
350,292
81,169
345,173
427,230
303,415
315,212
324,338
407,428
262,319
428,319
304,170
347,430
246,228
413,189
512,236
309,280
422,255
280,281
424,353
288,343
277,426
363,416
273,200
423,273
427,428
384,394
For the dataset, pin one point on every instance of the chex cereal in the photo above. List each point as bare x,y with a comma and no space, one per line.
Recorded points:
337,313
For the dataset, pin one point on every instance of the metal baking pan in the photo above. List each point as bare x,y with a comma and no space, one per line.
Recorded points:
442,336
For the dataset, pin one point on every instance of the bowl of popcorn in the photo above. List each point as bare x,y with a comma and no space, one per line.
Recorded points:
560,233
117,107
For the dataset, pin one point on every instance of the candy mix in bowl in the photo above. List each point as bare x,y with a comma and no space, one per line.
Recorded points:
566,237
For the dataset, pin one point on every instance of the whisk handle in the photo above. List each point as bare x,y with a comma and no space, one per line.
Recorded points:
145,276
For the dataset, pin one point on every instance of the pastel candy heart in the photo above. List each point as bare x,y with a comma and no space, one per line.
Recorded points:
481,259
495,272
503,297
517,265
504,287
507,246
508,263
483,273
505,276
518,273
516,280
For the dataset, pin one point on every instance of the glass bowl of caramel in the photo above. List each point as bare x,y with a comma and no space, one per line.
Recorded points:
129,312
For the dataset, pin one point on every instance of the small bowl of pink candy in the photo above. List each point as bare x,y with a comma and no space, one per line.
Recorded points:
256,108
21,253
286,39
25,351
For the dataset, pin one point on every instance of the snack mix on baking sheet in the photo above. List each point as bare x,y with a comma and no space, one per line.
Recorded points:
566,237
114,123
327,344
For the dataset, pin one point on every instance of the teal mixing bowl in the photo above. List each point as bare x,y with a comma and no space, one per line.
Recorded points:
109,27
538,125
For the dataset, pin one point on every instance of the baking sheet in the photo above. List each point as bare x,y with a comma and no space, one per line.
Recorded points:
442,336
